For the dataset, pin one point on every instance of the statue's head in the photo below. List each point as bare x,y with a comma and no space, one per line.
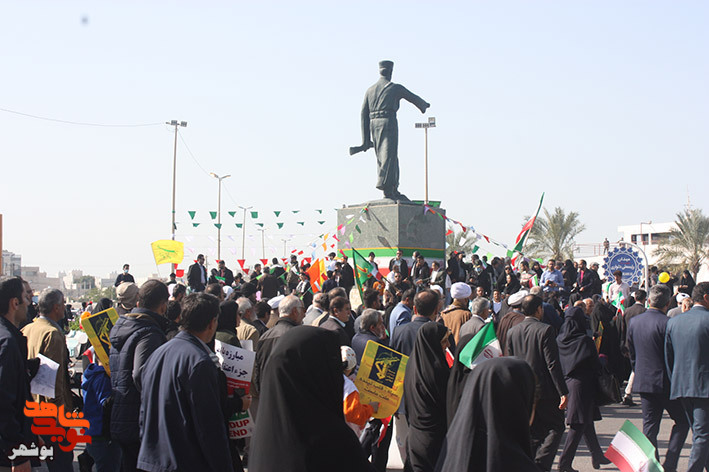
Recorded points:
386,68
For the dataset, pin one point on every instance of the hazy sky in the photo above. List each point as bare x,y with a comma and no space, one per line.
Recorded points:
602,105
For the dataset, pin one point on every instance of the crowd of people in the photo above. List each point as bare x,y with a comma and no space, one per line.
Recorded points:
162,402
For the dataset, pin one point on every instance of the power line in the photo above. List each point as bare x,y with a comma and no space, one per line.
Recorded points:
68,122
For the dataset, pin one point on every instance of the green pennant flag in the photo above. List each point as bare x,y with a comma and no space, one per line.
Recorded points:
239,225
489,256
351,238
296,211
475,248
358,230
280,225
260,224
232,213
194,225
174,227
276,213
254,214
301,223
213,214
362,270
509,253
321,222
319,211
218,225
192,213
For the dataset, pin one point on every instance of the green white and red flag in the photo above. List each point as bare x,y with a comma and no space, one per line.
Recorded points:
619,302
631,451
534,281
482,347
526,229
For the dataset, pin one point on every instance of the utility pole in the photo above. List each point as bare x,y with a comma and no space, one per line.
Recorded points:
219,214
431,124
263,241
285,241
173,228
243,232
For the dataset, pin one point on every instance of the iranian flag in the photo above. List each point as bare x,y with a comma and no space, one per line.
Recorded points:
482,347
526,229
619,303
534,281
631,451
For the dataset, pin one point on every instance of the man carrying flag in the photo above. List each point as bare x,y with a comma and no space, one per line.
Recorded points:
618,292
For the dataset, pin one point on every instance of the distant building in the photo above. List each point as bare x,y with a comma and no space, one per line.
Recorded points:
11,264
39,280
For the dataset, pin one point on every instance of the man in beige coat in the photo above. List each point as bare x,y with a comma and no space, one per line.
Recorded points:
455,316
45,336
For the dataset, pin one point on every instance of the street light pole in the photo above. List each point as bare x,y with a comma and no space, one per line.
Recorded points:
243,232
176,124
263,241
173,228
284,246
431,124
219,214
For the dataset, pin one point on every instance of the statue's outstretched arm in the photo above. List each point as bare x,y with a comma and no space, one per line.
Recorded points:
417,101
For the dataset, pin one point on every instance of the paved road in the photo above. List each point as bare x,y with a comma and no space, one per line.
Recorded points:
613,418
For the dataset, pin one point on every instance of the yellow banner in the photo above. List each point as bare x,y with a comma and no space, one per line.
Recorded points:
168,251
97,328
381,378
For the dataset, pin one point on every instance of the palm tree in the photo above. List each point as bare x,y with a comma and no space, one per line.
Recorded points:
460,241
553,234
688,244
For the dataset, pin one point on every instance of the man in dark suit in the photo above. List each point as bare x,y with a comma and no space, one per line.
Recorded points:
197,275
339,315
535,342
226,274
687,357
622,325
401,263
646,337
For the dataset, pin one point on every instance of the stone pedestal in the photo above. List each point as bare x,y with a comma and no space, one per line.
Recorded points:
390,225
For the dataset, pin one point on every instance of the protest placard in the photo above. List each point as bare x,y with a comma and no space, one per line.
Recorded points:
381,378
238,365
98,328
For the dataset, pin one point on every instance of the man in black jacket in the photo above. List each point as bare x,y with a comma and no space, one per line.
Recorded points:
197,275
182,422
14,381
134,337
535,342
226,274
340,313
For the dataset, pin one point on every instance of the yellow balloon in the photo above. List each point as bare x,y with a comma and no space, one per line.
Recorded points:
664,278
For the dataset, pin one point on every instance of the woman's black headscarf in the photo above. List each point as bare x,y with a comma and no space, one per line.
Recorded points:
227,316
103,304
301,420
456,379
575,346
490,432
513,286
425,386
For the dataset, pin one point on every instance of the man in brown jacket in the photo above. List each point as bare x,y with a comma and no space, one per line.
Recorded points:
44,336
457,313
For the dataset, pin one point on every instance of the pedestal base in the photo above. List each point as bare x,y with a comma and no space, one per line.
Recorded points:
390,225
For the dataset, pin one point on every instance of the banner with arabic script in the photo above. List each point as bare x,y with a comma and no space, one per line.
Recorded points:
238,365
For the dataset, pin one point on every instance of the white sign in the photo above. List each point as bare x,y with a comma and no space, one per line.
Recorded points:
45,381
238,365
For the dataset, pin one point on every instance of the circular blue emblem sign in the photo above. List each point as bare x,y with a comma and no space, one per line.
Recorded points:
628,261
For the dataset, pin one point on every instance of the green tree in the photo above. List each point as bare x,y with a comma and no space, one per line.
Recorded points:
553,234
688,244
460,241
95,294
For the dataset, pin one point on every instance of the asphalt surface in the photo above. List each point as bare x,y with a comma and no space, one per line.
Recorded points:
613,418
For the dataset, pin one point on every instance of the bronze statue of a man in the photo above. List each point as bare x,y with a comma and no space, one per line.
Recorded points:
380,128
